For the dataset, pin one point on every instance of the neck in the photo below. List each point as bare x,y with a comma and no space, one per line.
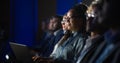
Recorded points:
75,30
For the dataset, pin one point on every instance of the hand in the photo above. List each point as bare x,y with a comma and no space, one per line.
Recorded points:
35,58
42,59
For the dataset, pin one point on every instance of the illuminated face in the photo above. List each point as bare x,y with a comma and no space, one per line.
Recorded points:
64,23
73,21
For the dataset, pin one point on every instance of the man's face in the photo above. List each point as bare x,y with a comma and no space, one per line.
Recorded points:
53,25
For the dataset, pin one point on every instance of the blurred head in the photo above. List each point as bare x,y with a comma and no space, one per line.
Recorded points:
76,18
44,25
55,23
110,14
93,24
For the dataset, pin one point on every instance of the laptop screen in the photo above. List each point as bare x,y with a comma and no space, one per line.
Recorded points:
21,52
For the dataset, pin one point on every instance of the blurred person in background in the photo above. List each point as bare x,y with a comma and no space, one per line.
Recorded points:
109,50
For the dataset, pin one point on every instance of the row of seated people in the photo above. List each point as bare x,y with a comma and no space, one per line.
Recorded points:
81,40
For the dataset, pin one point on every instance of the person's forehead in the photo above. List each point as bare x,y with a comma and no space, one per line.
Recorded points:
71,13
54,19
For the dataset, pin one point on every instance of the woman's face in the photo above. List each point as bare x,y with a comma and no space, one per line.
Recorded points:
64,23
73,21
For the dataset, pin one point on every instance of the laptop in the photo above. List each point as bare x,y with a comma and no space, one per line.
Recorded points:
22,53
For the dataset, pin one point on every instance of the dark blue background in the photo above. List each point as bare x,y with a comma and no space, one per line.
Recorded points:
24,18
